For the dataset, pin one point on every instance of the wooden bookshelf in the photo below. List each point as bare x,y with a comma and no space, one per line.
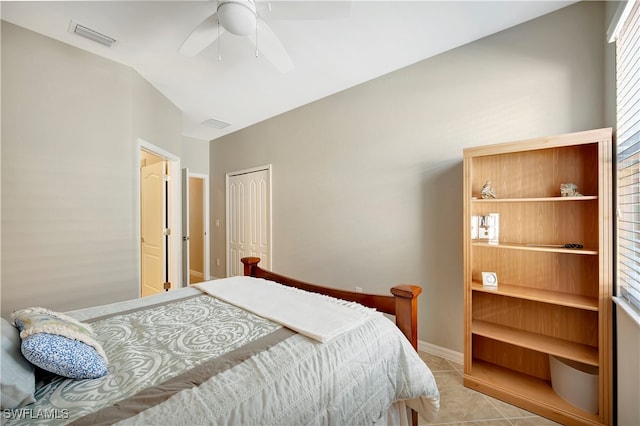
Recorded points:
550,300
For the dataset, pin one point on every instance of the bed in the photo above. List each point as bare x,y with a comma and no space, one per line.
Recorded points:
218,353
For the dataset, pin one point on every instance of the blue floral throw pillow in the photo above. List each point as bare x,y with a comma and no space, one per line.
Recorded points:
60,344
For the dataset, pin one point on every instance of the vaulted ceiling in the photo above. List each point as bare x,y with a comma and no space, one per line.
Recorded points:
332,45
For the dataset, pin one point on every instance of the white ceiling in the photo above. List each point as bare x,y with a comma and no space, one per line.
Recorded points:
329,55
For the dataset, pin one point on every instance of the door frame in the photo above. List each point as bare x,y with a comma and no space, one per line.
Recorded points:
205,213
205,216
174,260
268,169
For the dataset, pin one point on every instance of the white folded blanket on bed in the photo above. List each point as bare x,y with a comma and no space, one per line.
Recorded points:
314,315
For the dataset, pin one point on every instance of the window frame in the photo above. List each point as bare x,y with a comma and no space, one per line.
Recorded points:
625,31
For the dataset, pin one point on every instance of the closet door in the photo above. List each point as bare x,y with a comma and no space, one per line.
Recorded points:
248,218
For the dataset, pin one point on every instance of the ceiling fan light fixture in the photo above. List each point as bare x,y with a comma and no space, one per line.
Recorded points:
237,16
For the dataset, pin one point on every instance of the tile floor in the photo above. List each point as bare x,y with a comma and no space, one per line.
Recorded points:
466,407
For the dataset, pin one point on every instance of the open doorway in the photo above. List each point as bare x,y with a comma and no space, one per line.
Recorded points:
159,210
195,227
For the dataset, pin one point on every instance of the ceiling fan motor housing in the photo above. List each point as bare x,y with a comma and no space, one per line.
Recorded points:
237,16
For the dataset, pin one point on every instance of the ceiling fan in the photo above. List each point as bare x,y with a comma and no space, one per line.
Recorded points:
247,18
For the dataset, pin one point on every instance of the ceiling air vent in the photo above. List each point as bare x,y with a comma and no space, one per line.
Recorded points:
216,124
92,35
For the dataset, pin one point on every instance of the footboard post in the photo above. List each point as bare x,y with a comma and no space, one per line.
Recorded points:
406,298
249,264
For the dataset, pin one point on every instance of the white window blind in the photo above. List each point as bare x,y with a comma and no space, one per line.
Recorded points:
628,156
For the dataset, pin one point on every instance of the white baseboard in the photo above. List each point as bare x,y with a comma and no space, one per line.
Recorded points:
445,353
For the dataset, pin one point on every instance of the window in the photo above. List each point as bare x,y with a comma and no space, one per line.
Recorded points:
628,153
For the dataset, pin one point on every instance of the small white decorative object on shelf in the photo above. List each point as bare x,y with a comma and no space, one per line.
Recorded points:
487,191
489,279
488,227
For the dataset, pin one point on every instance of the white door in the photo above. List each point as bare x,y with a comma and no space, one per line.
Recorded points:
248,218
152,227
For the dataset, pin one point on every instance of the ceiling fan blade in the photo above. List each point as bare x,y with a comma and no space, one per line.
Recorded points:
202,36
271,47
303,10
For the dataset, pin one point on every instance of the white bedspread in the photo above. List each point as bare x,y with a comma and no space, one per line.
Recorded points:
314,315
350,380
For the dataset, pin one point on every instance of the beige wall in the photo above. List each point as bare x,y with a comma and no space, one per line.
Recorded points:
154,118
69,172
195,155
367,183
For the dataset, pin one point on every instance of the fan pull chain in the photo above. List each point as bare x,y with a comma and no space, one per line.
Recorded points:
256,35
219,54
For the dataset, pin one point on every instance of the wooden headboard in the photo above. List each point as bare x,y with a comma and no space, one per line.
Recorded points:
403,303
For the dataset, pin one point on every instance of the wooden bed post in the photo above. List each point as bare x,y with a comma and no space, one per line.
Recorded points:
406,298
249,263
407,311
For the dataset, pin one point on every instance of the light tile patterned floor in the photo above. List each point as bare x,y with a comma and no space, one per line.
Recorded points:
466,407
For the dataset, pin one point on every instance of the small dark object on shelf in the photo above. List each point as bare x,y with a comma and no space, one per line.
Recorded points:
573,246
570,246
